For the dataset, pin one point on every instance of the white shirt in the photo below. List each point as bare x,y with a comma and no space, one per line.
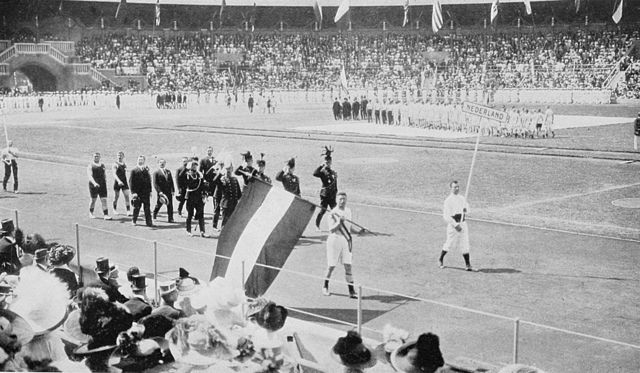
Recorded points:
9,153
453,205
346,214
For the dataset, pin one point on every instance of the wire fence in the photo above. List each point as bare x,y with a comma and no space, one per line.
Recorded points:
512,340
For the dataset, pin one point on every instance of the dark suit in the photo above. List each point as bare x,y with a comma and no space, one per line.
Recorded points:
337,109
181,177
138,308
355,109
195,187
163,182
168,311
140,184
346,110
231,193
329,190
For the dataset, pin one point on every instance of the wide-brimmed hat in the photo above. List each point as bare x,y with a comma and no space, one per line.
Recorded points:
400,357
17,326
162,199
182,340
7,226
72,329
256,306
167,287
187,286
61,254
103,267
353,353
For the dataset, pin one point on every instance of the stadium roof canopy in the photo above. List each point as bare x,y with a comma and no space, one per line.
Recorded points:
309,3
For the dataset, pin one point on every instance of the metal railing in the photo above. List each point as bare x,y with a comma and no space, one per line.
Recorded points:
508,328
81,68
7,53
4,69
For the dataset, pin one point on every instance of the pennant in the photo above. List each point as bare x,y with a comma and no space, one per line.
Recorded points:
343,80
252,18
406,13
37,23
494,10
617,15
60,6
527,6
577,2
342,10
317,9
263,229
436,16
120,5
157,12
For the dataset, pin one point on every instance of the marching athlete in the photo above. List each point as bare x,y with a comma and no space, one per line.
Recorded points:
9,157
97,186
454,212
120,183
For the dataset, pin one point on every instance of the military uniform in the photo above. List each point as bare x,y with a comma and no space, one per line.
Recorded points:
290,182
329,189
195,191
231,193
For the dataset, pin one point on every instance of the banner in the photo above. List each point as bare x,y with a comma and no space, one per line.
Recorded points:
264,229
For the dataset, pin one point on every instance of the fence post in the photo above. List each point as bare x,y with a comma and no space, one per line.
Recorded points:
16,224
516,330
359,312
80,274
155,271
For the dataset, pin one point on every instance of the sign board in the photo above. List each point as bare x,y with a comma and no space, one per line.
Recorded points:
484,111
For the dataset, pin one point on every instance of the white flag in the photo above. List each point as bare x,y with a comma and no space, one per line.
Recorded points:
527,6
406,13
617,15
494,10
342,10
343,80
436,16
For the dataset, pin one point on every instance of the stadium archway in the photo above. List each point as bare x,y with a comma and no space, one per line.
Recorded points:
40,77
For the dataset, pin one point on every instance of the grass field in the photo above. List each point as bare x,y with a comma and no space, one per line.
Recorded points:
550,245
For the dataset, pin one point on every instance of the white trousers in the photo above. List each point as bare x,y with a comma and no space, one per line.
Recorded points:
457,240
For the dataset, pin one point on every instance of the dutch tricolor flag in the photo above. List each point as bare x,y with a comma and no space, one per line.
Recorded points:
264,229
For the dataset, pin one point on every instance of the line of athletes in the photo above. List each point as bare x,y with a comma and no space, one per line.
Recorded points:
194,182
520,123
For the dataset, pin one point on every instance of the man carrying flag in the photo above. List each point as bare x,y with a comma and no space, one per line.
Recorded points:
339,244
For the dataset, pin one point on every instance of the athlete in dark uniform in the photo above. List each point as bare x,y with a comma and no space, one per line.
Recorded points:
329,189
246,170
120,183
97,186
289,181
195,193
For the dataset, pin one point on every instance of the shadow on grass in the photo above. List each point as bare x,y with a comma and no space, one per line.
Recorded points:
346,315
499,270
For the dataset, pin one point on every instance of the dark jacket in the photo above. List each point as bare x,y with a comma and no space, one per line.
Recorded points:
329,180
230,188
290,182
140,181
162,183
138,308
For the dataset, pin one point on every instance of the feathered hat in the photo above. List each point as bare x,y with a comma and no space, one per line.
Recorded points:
326,152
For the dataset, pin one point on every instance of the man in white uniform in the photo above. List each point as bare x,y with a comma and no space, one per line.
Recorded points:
339,244
454,213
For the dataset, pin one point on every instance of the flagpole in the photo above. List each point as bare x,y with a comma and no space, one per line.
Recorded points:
473,162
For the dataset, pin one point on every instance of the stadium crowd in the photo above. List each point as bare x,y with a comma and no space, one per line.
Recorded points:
570,59
52,322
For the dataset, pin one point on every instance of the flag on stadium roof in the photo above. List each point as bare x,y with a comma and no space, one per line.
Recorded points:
37,23
436,16
494,10
406,13
157,12
263,229
121,4
60,6
342,10
617,15
577,5
223,5
527,6
317,9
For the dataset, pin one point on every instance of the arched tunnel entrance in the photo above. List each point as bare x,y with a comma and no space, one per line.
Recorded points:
41,78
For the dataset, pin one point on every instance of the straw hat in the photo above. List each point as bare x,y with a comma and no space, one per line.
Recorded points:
12,323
